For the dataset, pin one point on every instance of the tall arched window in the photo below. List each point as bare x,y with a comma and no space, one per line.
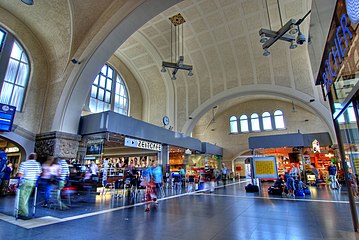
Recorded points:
107,94
243,120
121,96
279,119
233,124
255,122
267,122
15,79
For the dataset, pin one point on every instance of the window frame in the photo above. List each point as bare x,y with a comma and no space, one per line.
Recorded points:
269,117
257,122
275,119
246,122
233,119
6,48
112,106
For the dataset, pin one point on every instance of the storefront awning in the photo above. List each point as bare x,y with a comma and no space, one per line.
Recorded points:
289,140
117,123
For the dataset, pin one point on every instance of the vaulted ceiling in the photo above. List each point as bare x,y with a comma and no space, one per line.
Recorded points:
221,42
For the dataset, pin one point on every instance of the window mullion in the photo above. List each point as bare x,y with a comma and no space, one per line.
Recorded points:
5,56
113,90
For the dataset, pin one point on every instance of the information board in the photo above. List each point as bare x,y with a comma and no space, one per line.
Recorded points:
265,167
7,114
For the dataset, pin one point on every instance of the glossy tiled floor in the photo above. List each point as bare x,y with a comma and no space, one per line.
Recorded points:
228,213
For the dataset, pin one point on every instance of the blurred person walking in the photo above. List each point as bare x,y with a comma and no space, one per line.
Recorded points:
50,171
158,178
64,175
29,171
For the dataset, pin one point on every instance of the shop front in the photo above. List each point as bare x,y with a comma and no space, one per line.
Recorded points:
302,150
127,143
339,76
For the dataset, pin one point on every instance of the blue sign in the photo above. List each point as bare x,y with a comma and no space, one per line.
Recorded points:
7,115
337,52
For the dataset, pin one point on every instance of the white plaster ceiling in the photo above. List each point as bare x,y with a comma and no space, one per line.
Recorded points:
221,42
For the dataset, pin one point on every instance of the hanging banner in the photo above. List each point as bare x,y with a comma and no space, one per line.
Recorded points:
316,146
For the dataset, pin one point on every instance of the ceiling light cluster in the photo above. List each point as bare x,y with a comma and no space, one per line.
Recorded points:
177,48
290,32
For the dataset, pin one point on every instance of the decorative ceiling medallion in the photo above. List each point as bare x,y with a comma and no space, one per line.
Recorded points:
177,20
353,10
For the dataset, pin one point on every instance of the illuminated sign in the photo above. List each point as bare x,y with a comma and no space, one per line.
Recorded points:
337,52
12,150
265,167
129,142
7,115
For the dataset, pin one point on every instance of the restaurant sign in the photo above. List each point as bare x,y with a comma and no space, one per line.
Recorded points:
130,142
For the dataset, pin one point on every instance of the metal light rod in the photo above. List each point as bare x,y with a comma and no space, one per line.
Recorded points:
177,66
279,34
272,34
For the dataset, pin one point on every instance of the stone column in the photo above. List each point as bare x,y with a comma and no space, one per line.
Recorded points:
57,144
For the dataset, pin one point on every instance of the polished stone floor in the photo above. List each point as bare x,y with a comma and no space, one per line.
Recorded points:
228,213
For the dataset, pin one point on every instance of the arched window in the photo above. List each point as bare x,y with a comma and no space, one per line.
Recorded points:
243,120
15,79
121,96
233,124
267,122
255,122
107,94
279,119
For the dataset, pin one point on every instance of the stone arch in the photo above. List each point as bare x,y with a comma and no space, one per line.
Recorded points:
69,108
25,145
270,90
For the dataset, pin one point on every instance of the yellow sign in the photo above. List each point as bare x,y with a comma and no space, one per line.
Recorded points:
265,167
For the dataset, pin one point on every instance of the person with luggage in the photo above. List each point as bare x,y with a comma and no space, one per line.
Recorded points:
290,184
29,172
294,172
278,187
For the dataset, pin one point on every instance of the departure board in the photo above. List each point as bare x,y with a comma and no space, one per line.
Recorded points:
7,115
265,167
